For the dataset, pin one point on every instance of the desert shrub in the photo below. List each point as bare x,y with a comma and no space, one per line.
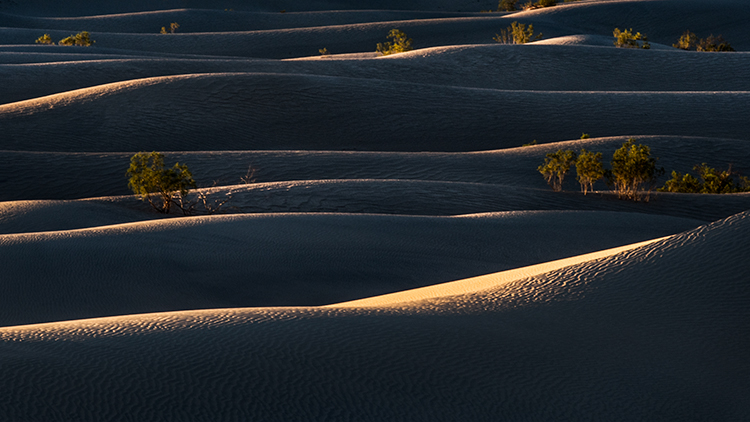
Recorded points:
517,33
626,39
686,183
690,41
534,142
556,166
633,171
711,181
507,5
585,135
160,187
530,5
713,44
45,39
172,28
81,39
323,51
589,169
400,43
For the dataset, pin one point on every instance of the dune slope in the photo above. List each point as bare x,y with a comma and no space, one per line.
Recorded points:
621,338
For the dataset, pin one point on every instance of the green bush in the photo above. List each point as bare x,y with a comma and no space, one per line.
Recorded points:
172,28
556,166
589,169
626,39
400,44
507,5
530,5
690,41
713,44
159,186
633,171
45,39
711,181
517,33
80,39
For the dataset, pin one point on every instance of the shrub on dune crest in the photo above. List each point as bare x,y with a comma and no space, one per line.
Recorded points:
45,39
172,28
517,33
400,43
81,39
539,4
626,39
690,41
507,5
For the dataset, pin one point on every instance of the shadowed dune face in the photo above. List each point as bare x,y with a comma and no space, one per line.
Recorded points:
397,256
278,260
574,338
260,111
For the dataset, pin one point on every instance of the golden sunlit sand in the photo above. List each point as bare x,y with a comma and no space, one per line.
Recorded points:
389,251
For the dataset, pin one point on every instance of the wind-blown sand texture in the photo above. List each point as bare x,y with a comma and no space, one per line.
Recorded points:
396,255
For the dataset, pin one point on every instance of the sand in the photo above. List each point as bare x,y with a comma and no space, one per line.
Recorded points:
397,255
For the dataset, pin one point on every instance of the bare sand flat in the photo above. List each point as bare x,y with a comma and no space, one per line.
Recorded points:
392,252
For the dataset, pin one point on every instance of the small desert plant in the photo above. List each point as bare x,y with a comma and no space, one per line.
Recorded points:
81,39
45,39
684,183
585,135
688,41
633,171
159,186
626,39
507,5
517,33
534,142
556,166
324,51
712,43
530,5
589,169
172,28
400,44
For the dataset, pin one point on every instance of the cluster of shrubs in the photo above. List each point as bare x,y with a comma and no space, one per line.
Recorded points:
688,41
512,5
80,39
632,174
711,181
517,33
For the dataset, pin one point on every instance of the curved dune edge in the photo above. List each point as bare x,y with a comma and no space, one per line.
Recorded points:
483,282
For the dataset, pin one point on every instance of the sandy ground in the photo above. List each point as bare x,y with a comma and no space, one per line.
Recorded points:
397,255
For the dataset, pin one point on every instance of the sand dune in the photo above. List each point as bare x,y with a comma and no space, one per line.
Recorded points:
563,338
398,256
496,66
336,258
254,111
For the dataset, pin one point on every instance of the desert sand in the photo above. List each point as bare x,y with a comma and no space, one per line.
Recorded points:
395,255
